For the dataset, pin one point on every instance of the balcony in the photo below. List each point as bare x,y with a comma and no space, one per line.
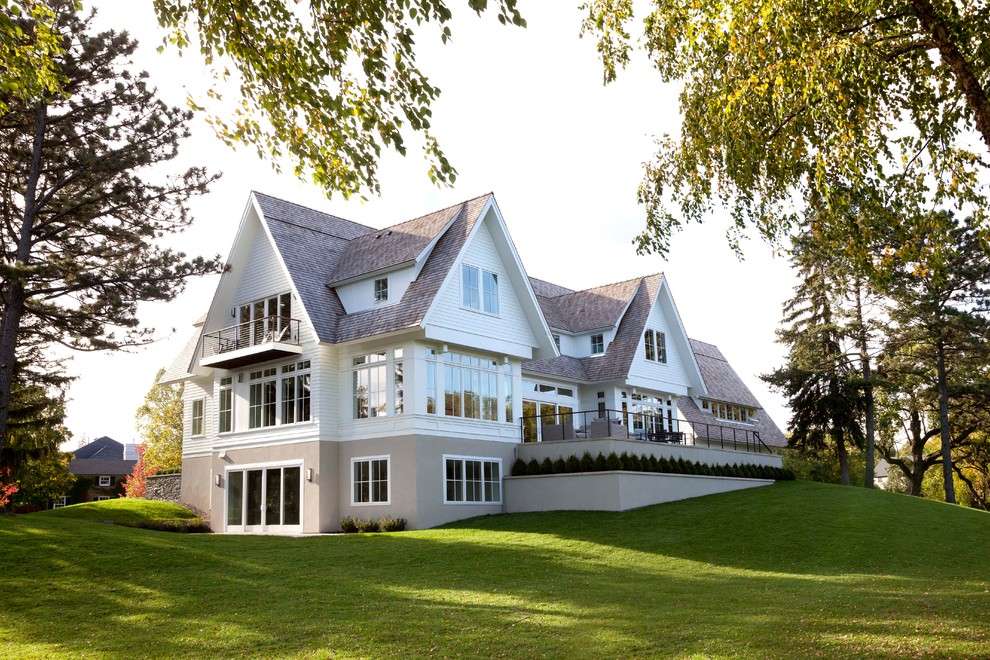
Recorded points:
615,425
253,342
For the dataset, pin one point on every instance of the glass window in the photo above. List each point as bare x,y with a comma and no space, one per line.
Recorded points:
369,387
661,348
235,487
490,286
225,409
262,398
650,346
197,417
264,496
397,385
104,481
508,392
470,288
556,341
470,387
381,290
431,385
370,480
597,344
472,480
529,421
296,393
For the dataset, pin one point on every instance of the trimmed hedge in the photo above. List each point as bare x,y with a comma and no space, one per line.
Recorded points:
351,525
181,526
644,463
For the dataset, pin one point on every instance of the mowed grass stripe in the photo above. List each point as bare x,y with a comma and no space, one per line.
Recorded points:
792,570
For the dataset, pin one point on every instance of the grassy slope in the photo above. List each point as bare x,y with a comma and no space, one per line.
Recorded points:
122,509
797,569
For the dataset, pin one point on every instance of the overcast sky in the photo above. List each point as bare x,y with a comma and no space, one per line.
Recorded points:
523,114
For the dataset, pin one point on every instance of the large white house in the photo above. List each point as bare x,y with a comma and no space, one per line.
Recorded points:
346,370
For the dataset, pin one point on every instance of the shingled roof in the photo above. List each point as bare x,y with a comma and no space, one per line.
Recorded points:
626,304
722,381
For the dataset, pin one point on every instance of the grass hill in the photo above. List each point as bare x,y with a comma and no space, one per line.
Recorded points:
792,570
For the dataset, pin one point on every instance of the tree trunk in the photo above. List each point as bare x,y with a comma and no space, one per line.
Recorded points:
840,450
917,475
955,59
864,358
13,292
943,420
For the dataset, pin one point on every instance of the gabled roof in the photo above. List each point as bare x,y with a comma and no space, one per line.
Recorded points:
411,310
104,448
387,248
311,244
581,311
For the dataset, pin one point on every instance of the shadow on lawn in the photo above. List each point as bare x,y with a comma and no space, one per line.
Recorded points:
582,586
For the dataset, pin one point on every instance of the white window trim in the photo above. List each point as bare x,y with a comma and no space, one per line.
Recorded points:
285,529
388,479
102,479
591,340
483,459
375,291
481,292
202,418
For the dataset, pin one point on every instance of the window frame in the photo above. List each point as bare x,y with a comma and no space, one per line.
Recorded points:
267,380
480,290
380,294
197,419
225,409
105,481
388,480
463,460
599,345
299,374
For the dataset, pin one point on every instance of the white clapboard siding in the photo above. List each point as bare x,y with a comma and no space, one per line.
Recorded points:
448,312
670,377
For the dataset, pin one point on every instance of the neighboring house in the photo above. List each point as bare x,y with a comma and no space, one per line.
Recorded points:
100,468
881,474
346,370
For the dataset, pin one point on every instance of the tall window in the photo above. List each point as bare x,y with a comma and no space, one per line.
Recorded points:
197,417
264,496
296,392
656,346
369,386
371,480
472,480
225,409
597,344
397,382
489,283
469,286
507,369
267,319
480,289
261,403
381,290
471,387
431,382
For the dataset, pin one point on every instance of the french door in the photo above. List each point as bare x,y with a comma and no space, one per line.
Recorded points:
264,499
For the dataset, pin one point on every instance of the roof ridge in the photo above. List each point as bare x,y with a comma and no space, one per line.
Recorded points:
319,231
434,212
309,208
638,279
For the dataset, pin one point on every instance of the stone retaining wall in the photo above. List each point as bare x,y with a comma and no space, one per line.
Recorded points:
165,487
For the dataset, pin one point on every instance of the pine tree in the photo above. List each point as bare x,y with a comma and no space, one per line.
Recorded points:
81,214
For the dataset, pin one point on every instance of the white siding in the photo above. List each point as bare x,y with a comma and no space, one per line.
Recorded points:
476,329
359,296
198,389
671,377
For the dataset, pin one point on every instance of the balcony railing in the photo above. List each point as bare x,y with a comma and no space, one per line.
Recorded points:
613,424
268,330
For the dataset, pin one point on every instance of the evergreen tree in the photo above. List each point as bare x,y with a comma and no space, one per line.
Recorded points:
81,215
818,379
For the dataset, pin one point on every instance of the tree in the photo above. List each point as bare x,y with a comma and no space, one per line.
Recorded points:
80,215
159,424
784,104
818,379
28,51
137,481
941,301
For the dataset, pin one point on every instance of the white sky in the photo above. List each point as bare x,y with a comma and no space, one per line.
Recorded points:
523,114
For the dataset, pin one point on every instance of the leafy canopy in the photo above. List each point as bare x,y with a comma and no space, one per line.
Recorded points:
786,103
328,84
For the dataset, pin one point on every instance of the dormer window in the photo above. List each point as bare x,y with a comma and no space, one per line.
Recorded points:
597,344
381,290
479,289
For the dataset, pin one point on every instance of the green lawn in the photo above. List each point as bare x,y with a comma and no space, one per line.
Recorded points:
796,569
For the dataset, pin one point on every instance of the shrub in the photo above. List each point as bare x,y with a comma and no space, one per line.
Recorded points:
573,464
559,467
664,465
587,463
635,464
600,463
613,462
519,468
546,467
369,525
390,524
624,461
654,463
532,467
186,526
27,508
348,525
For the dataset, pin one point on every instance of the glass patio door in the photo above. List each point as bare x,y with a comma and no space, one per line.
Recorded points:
264,499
